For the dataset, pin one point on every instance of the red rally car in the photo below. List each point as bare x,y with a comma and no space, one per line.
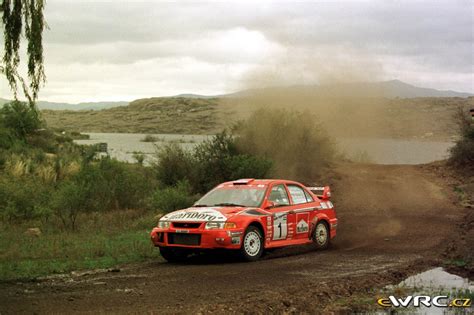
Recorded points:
249,215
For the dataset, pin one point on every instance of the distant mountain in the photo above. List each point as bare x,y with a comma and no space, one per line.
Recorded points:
397,88
195,96
68,106
387,89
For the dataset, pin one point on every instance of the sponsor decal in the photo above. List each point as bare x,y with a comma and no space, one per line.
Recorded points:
302,220
302,226
425,301
195,214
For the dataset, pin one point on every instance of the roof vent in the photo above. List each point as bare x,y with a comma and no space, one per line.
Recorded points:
243,181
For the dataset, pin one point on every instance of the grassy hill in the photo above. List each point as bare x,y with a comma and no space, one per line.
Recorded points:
428,118
151,115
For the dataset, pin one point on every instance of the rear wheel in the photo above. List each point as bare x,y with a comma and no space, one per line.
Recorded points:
321,235
252,244
174,254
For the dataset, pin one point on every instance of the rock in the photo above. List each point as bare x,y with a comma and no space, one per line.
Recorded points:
100,283
34,232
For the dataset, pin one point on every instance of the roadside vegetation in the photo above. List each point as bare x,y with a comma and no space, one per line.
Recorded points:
462,154
64,208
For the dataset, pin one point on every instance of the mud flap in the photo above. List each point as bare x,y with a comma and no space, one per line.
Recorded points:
313,227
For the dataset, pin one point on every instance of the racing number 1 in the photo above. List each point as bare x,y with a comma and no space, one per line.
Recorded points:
280,223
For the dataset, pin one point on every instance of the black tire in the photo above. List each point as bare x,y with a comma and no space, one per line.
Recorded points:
252,244
321,235
174,254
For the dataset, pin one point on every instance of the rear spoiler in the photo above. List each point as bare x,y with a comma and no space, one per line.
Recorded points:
321,192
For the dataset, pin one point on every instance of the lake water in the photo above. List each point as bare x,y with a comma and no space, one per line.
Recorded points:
122,146
380,151
435,282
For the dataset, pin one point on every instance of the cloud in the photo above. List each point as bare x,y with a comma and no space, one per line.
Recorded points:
104,50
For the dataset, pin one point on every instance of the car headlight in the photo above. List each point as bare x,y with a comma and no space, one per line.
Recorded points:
163,224
220,225
214,225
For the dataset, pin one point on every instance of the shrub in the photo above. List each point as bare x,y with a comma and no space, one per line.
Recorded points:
219,160
248,166
6,137
139,157
150,138
20,118
45,140
293,140
172,198
174,164
127,185
69,200
210,163
23,198
462,153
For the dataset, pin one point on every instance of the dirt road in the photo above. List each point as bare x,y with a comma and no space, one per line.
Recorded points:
394,221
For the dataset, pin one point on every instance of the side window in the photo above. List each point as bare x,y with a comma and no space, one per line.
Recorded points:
297,194
309,198
279,196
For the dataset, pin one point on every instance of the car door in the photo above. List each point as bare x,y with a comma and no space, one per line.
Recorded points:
303,207
283,219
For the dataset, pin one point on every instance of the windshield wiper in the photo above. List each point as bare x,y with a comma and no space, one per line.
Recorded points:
198,206
227,204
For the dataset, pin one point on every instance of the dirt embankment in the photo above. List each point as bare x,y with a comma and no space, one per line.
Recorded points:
394,221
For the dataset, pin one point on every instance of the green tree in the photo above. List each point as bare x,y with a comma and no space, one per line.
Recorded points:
20,118
23,18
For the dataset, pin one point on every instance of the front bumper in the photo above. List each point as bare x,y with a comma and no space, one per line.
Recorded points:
197,238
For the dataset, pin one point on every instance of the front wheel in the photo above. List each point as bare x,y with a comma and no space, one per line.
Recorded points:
252,244
174,254
321,235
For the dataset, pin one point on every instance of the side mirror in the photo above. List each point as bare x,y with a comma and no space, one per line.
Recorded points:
270,204
326,193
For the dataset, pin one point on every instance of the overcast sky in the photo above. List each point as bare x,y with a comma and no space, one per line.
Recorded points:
114,50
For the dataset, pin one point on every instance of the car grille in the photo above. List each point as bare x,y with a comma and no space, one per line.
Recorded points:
184,239
185,225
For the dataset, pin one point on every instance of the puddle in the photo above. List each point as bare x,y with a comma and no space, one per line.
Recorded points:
437,279
434,282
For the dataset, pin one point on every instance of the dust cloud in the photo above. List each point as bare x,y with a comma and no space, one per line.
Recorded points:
332,85
344,90
297,67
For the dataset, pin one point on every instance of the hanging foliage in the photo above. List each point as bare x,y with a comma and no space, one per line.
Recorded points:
23,19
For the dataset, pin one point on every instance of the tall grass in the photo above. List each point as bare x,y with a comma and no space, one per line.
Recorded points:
103,241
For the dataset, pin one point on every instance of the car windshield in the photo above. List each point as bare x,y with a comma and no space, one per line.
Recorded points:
245,196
